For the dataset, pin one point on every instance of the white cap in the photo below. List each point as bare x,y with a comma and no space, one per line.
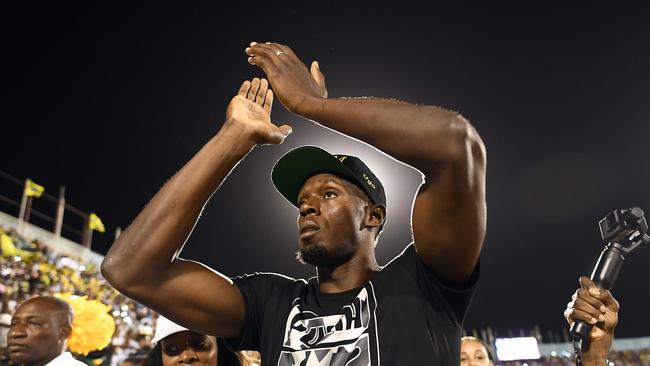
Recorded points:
164,328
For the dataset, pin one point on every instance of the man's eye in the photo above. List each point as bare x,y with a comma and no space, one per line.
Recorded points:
329,194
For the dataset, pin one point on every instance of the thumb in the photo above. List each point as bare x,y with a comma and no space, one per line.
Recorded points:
279,134
587,283
285,129
317,74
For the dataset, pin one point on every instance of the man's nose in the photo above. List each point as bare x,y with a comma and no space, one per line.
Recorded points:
308,207
16,331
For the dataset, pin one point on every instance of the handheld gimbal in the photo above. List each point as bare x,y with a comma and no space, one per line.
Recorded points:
624,230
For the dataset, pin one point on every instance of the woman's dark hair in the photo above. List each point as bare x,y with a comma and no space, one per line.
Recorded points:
224,356
154,357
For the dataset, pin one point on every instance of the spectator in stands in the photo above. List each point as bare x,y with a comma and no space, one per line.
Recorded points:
39,332
175,344
597,307
473,352
5,322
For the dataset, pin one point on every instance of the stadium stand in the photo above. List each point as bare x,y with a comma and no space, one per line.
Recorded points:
35,263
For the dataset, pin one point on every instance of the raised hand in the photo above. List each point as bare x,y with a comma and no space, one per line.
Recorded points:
250,110
289,77
594,306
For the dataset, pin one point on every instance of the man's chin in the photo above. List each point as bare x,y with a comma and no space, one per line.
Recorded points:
318,255
19,356
314,254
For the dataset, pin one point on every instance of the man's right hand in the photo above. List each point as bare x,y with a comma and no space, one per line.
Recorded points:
250,110
593,306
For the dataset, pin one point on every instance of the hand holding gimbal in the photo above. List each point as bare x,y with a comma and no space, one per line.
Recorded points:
624,230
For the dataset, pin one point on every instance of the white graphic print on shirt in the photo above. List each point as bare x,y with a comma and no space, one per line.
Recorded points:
345,339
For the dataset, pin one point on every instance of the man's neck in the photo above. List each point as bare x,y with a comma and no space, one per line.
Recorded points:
45,362
349,275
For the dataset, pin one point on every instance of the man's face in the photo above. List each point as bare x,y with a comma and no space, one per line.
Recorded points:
332,213
36,335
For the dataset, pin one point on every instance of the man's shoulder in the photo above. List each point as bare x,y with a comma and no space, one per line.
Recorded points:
407,256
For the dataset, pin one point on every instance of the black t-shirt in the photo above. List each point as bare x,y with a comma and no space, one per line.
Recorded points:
403,316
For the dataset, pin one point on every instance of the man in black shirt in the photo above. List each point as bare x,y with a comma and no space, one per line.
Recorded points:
354,312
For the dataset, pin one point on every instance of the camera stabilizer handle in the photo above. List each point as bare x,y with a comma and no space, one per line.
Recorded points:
624,230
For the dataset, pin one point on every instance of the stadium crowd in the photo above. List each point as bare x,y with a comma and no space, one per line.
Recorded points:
31,268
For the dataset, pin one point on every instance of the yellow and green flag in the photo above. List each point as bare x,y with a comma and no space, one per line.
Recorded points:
33,189
95,223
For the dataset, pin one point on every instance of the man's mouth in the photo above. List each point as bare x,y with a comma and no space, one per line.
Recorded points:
308,228
14,348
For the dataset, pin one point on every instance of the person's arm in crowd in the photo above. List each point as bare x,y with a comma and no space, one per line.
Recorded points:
449,212
143,262
597,307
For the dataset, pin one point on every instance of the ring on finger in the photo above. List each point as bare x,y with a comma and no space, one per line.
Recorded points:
278,53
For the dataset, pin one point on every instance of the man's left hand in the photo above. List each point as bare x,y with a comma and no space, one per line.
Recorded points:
290,79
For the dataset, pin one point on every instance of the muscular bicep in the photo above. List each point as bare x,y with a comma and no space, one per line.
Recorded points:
196,297
449,216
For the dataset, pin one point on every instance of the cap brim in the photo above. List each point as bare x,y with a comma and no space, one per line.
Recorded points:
296,166
165,328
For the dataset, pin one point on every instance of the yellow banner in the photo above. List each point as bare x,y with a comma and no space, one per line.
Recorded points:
95,223
33,189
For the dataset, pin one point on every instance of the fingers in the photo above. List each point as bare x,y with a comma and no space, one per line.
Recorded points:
268,101
590,303
255,86
243,89
257,90
261,93
610,302
266,55
603,296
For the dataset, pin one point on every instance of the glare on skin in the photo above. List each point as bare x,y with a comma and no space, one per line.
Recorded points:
189,348
473,353
337,209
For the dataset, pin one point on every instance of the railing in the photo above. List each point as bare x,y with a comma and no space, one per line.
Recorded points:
47,212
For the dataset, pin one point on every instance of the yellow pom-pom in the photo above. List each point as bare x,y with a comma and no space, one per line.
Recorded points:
92,327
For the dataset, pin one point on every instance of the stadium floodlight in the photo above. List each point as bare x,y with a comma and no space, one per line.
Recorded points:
515,349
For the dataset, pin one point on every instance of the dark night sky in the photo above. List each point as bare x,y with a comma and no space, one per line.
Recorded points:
111,100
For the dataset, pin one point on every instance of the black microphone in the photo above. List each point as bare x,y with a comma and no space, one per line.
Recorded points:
624,230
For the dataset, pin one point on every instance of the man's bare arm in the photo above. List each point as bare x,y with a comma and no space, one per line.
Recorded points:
449,212
143,262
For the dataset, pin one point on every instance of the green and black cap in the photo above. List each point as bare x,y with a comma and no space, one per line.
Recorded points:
296,166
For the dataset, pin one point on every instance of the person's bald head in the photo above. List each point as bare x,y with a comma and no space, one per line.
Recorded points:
39,330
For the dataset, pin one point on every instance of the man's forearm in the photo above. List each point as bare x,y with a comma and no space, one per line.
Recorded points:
411,133
159,231
597,353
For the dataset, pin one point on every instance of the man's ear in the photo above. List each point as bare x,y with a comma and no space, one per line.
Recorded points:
376,216
64,331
